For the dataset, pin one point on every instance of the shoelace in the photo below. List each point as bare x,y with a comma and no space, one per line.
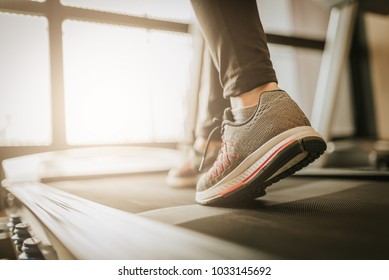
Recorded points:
219,126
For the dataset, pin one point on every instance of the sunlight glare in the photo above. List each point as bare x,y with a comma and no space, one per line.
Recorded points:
124,84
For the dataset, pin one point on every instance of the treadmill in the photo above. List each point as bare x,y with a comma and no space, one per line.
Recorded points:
70,205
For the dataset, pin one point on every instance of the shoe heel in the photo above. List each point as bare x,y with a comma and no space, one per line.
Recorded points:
314,145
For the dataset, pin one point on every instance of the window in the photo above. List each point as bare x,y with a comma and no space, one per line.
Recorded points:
125,79
25,103
124,85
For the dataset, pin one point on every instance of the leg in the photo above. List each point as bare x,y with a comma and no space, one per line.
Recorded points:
237,42
214,104
266,136
187,173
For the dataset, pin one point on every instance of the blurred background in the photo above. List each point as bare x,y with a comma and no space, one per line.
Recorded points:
79,73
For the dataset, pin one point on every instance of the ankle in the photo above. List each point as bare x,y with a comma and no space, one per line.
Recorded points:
251,97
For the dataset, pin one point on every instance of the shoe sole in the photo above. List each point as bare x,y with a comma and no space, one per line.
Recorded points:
279,158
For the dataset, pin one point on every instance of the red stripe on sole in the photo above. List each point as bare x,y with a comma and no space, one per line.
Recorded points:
241,183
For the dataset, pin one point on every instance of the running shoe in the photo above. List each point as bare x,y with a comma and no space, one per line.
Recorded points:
275,142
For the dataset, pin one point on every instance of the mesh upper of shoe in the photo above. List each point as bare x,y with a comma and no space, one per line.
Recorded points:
275,113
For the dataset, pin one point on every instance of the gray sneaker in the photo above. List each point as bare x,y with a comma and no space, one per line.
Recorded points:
275,142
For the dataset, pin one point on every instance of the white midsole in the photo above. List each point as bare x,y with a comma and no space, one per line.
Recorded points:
254,160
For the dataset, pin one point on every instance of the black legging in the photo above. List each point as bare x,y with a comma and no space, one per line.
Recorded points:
237,43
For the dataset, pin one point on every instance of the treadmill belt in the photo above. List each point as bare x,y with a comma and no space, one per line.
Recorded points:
299,218
350,224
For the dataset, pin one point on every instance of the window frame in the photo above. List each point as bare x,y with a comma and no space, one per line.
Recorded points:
56,14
